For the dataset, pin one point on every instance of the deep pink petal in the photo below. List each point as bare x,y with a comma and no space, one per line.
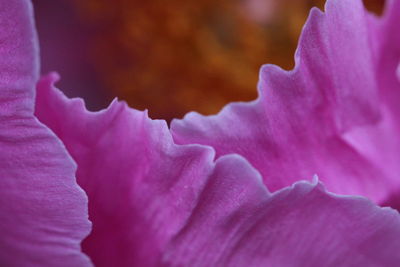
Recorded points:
154,203
43,212
311,120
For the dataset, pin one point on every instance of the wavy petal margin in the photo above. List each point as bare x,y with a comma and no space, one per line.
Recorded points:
325,116
154,203
43,214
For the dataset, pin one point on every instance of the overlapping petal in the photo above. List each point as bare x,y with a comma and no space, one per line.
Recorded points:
325,116
155,203
43,212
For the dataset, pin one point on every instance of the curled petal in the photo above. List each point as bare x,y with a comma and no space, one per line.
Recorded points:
309,120
43,214
155,203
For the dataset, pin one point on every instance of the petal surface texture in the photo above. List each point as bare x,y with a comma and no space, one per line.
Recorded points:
155,203
334,114
43,212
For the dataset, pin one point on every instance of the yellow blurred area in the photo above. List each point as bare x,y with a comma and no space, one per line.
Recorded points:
175,56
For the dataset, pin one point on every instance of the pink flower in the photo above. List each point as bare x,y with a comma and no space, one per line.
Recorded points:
153,202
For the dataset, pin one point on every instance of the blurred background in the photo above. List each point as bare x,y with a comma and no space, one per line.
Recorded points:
170,57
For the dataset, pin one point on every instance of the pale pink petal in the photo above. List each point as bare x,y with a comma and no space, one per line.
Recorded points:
43,214
154,203
307,121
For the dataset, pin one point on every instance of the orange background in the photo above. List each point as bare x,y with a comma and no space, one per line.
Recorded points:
172,56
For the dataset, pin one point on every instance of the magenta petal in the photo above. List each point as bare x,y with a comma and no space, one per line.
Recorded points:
19,56
298,226
154,203
386,42
305,120
43,214
398,72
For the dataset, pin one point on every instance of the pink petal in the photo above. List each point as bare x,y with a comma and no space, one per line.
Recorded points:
43,215
154,203
380,142
307,121
387,45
